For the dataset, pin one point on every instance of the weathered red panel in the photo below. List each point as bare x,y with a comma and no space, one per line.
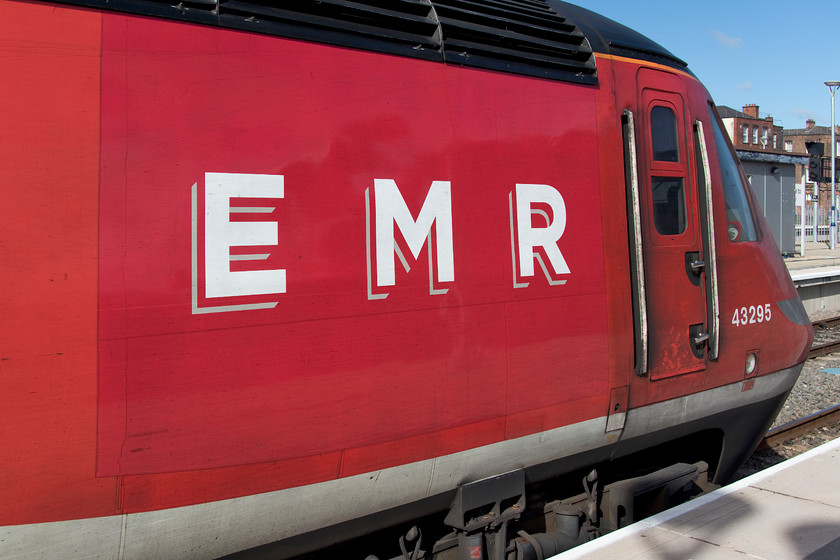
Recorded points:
328,369
49,161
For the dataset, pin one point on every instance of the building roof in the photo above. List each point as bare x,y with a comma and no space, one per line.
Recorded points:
813,131
728,113
770,157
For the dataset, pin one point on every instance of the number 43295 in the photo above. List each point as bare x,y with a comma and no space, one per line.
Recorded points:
752,314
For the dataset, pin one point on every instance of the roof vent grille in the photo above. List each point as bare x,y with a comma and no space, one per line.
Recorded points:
407,27
520,36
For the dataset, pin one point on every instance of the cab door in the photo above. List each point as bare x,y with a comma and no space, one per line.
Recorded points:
671,229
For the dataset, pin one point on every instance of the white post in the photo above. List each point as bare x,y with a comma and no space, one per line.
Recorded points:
801,205
832,88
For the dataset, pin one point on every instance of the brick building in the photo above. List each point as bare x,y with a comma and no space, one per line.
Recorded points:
771,171
750,132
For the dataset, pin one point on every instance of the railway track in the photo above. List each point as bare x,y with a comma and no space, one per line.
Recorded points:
786,432
824,349
826,417
824,329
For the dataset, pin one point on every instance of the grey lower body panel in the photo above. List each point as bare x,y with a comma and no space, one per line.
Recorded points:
317,515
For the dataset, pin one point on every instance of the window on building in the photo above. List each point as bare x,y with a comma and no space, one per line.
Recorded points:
755,135
775,141
788,145
745,130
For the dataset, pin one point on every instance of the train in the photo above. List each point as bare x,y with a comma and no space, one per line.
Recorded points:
452,278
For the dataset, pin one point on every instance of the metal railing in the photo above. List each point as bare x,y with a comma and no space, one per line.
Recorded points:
823,225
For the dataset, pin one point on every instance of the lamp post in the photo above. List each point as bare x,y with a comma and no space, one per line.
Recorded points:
832,89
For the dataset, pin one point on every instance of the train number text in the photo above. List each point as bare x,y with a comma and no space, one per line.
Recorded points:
752,314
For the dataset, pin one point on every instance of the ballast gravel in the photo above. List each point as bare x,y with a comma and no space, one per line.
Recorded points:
817,388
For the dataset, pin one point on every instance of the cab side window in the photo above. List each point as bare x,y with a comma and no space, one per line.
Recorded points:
740,222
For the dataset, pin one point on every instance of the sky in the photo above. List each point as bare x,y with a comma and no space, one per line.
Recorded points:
773,53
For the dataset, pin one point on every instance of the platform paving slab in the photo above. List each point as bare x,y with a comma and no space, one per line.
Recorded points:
788,512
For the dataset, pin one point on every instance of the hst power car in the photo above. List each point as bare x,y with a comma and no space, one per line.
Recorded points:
284,274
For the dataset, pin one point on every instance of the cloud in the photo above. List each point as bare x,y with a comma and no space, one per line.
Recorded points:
804,114
732,43
746,86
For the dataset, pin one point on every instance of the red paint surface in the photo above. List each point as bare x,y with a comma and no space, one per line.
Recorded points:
328,370
49,162
154,407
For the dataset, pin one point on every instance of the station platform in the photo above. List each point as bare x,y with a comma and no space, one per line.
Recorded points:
816,275
790,511
817,255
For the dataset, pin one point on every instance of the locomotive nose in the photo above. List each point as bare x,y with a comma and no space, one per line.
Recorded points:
802,332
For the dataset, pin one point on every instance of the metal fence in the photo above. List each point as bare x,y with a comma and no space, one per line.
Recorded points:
823,224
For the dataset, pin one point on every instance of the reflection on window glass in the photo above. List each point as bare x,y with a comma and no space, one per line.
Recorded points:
668,205
663,130
740,222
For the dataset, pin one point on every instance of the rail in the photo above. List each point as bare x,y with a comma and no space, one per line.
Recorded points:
825,417
825,348
797,428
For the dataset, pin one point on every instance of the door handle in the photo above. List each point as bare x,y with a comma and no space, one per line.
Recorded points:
698,337
694,267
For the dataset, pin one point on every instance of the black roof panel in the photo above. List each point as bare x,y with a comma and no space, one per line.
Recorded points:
542,38
609,37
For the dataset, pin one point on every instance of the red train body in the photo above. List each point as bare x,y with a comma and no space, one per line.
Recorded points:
258,287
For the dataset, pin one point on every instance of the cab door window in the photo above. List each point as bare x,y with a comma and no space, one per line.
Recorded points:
663,134
668,205
667,170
